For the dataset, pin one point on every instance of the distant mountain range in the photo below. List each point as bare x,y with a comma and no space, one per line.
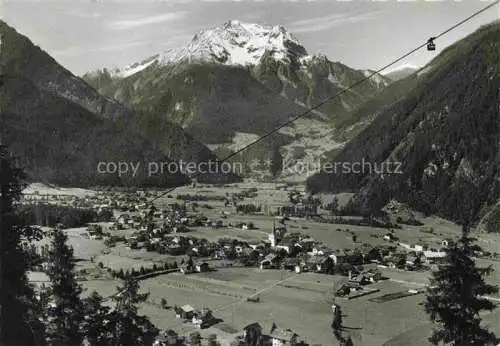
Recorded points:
61,128
442,124
401,72
237,81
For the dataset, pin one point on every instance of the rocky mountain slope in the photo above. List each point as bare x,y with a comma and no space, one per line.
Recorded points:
60,142
241,78
63,127
445,132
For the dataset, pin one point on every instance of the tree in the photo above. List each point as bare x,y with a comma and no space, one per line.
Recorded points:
276,163
373,254
418,262
128,327
171,338
190,263
163,303
333,206
96,325
253,337
401,263
337,323
455,297
348,342
67,314
212,340
21,324
195,339
492,223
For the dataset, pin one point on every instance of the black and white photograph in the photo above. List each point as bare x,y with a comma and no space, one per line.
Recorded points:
249,172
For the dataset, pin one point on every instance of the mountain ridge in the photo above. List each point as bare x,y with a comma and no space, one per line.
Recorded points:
450,155
213,98
47,83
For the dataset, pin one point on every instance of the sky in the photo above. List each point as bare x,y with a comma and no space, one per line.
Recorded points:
84,35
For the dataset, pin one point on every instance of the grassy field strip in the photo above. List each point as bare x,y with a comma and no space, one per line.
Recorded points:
254,294
302,288
408,282
236,229
425,285
194,287
239,301
244,299
220,283
392,296
207,282
315,283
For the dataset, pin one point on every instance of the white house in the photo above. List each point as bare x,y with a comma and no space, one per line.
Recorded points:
434,256
418,248
283,247
282,337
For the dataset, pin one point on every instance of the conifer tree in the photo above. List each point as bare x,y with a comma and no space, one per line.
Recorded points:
337,323
19,309
97,321
190,263
212,340
349,342
128,327
195,339
456,297
171,338
276,163
64,325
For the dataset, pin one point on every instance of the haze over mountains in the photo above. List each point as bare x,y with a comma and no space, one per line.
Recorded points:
401,72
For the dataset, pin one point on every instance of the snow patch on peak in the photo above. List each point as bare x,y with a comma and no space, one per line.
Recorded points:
316,58
137,67
306,59
237,43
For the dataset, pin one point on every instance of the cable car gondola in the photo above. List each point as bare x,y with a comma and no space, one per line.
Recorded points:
430,44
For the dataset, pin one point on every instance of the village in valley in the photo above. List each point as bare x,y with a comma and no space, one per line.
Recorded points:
249,173
246,261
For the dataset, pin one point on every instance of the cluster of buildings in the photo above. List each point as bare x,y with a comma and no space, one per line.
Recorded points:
200,318
300,209
255,334
424,253
252,334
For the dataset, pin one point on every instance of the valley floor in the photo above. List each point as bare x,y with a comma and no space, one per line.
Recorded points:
301,302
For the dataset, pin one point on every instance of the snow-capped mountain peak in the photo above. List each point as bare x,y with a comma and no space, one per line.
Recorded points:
232,43
238,43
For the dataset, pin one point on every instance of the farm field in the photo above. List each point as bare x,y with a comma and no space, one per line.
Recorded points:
301,302
287,299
